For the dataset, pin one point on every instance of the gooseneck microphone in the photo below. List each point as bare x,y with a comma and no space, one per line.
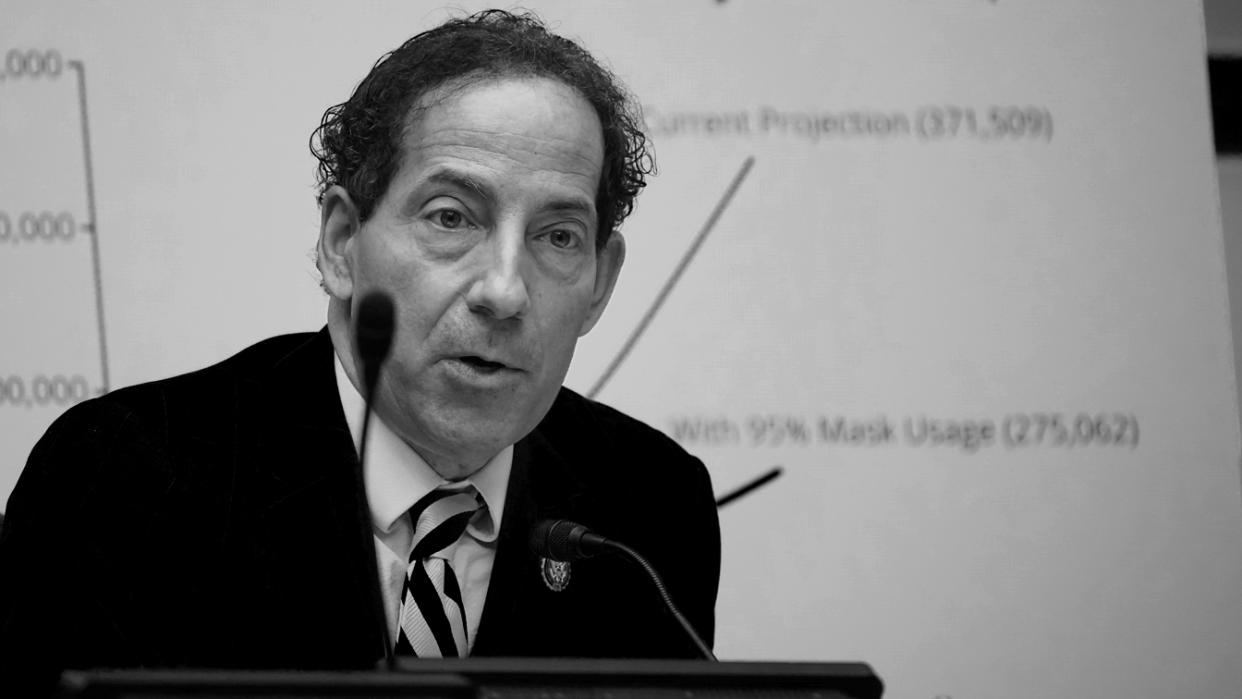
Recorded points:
373,330
563,540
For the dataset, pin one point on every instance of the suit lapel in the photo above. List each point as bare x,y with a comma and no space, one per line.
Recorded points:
310,514
541,486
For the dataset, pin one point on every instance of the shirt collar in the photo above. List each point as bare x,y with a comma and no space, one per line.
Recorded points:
396,477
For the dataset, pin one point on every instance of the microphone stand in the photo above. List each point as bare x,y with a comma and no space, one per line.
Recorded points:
563,540
372,340
668,599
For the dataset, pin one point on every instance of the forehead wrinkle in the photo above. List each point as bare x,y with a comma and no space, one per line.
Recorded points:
430,152
550,146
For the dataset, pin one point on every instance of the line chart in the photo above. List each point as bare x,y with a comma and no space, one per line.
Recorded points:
675,277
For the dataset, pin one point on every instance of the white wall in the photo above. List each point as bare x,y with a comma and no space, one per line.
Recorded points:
975,279
1224,37
1230,173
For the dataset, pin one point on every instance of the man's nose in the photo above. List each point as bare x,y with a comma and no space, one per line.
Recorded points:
499,290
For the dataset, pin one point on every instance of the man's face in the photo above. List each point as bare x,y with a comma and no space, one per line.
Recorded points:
485,239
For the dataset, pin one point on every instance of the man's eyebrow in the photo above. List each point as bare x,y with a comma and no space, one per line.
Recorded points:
460,181
568,205
573,205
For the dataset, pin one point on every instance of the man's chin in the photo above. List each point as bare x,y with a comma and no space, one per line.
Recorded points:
455,430
459,449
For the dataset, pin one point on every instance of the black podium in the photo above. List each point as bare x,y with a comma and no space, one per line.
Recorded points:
498,678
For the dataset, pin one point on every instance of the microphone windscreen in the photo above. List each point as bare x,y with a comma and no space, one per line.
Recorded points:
558,539
374,330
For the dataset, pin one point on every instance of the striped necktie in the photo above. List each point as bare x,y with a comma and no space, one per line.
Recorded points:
433,618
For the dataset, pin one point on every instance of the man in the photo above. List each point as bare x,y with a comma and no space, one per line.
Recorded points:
477,176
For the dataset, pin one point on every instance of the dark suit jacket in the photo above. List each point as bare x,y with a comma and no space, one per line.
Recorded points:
213,519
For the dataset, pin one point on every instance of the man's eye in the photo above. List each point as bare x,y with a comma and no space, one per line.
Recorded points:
448,218
562,239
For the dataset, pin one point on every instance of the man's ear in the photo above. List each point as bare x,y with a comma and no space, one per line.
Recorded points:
607,268
338,225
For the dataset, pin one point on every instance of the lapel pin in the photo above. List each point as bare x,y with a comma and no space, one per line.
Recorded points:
555,574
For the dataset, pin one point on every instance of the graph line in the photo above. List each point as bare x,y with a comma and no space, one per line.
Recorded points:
686,259
749,488
94,224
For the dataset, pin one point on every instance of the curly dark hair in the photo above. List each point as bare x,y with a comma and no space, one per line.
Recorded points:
359,142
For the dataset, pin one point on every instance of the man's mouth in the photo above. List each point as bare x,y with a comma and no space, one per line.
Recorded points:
480,364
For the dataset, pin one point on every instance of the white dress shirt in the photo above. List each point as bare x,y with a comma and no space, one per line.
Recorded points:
396,477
